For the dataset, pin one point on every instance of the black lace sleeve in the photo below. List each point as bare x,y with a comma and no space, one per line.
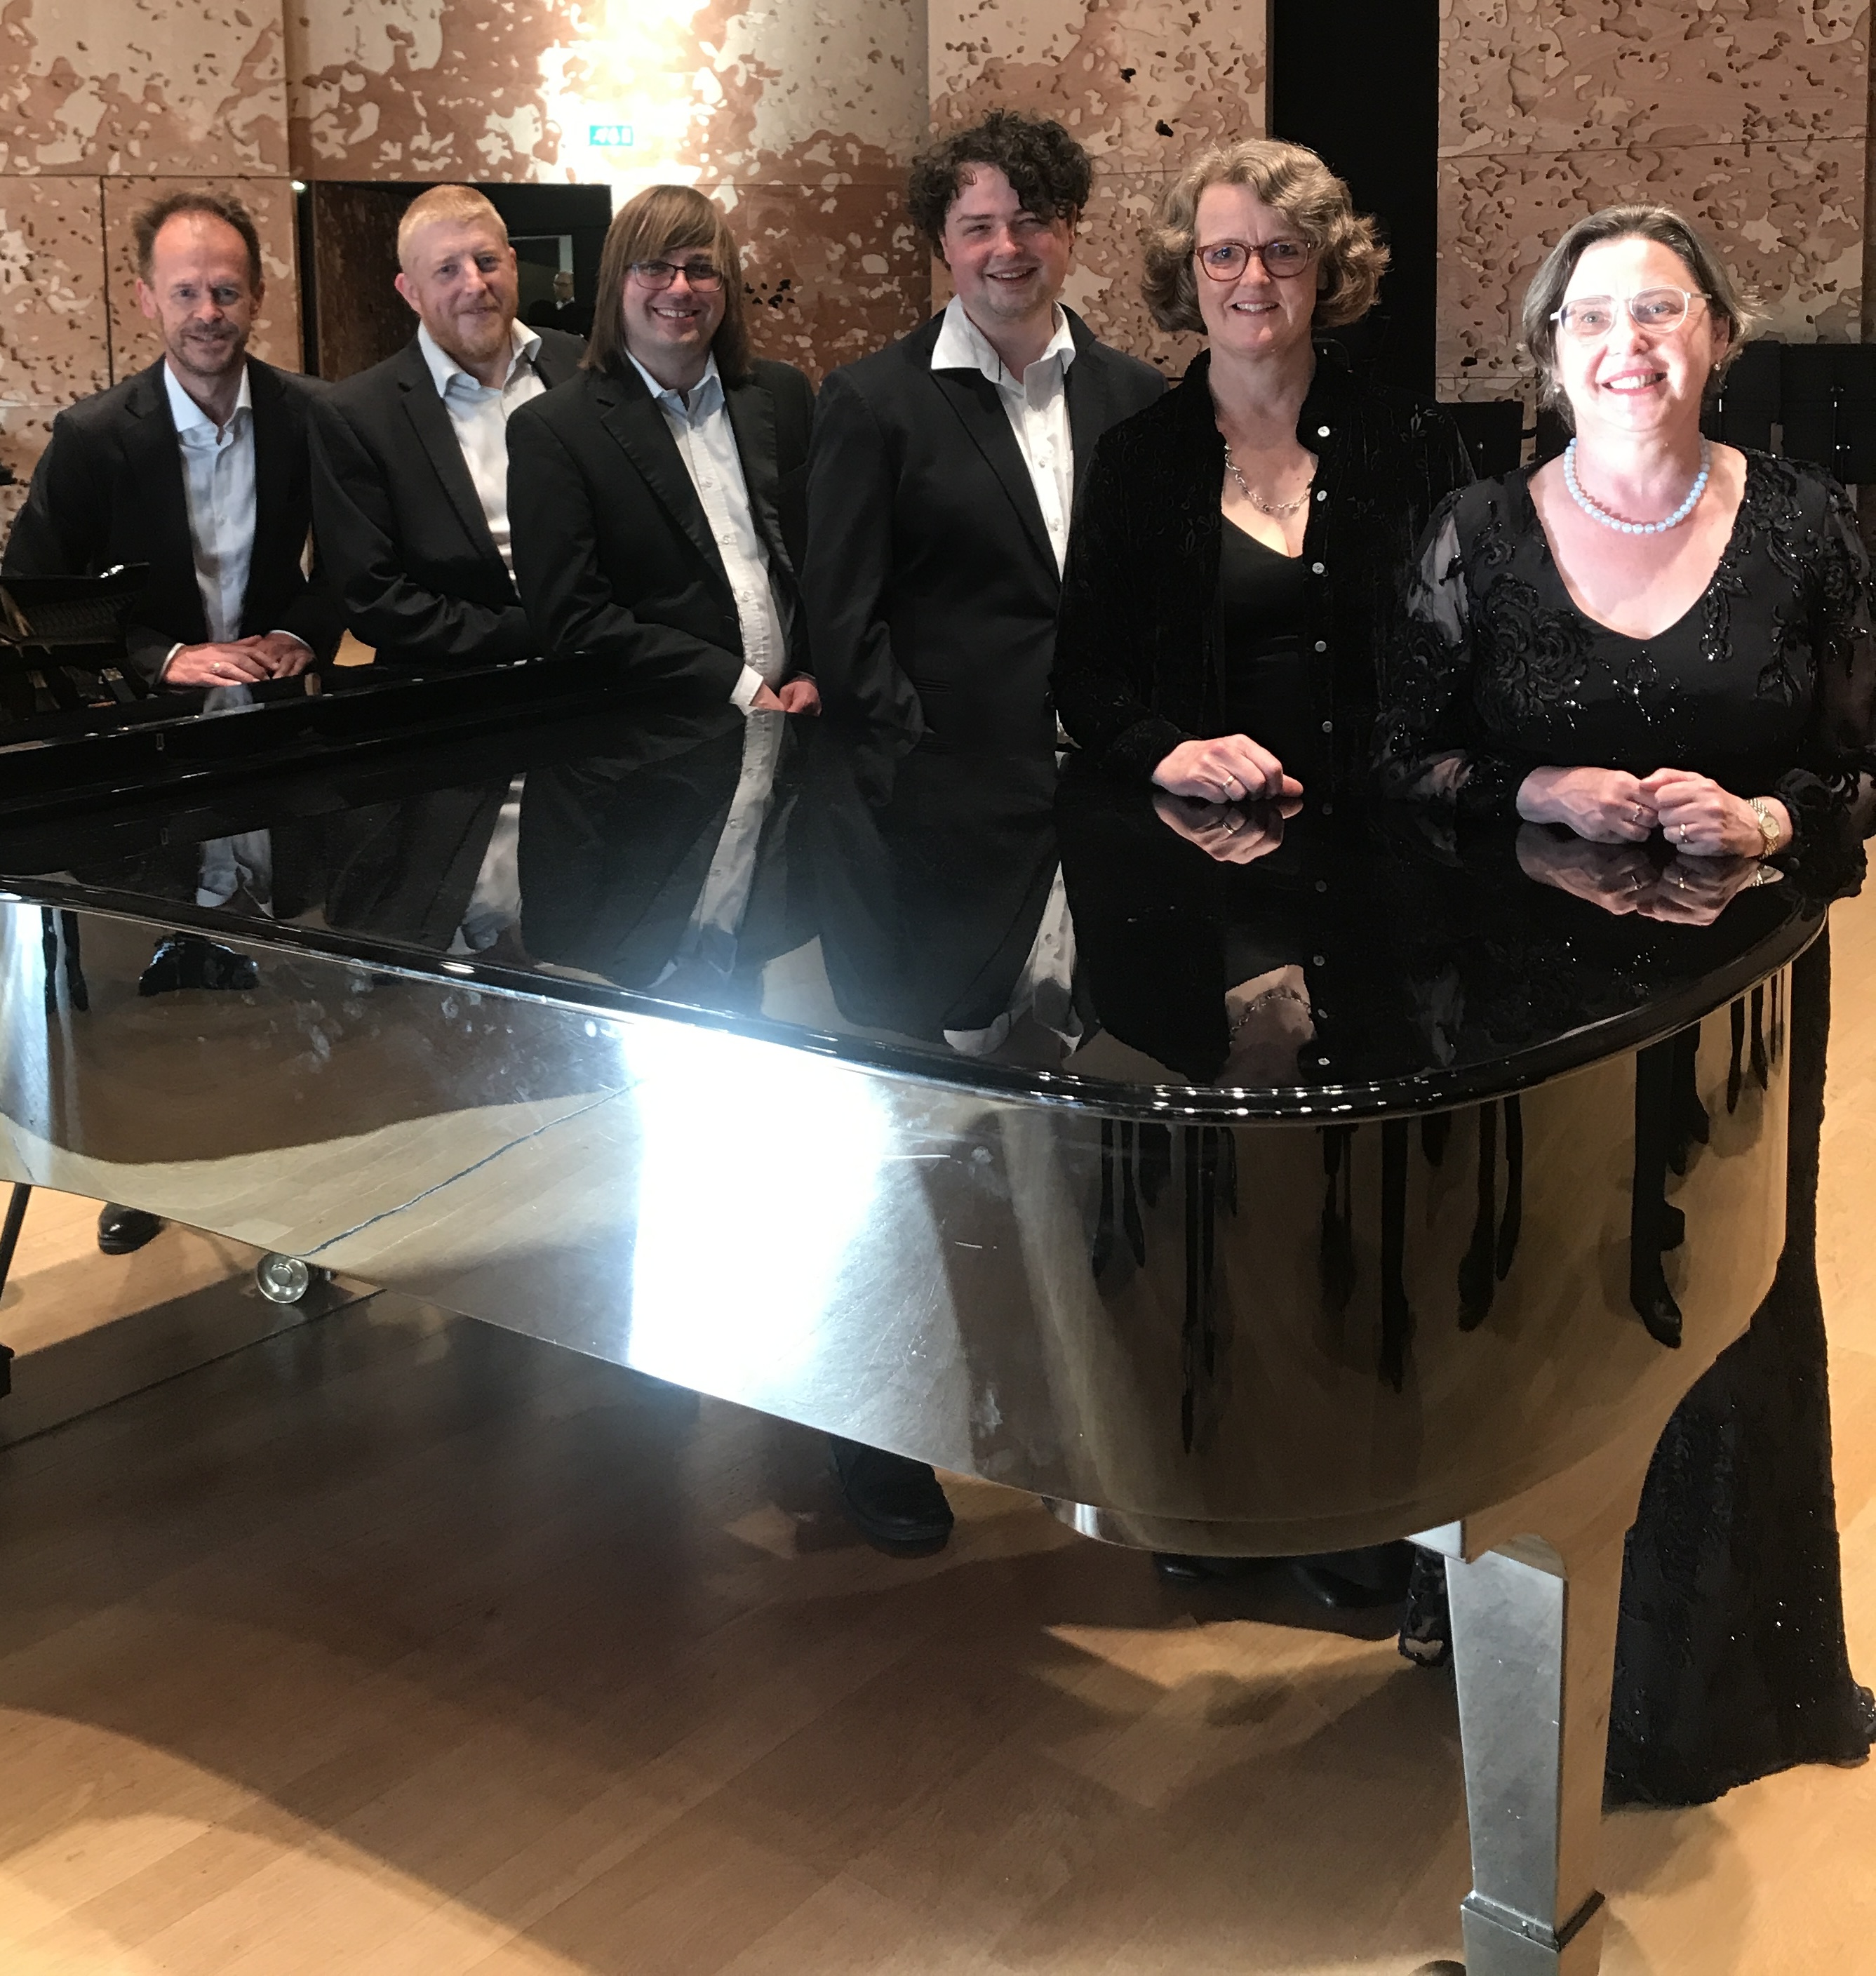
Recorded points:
1830,792
1426,748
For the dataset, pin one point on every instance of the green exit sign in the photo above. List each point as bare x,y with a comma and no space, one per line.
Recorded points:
609,137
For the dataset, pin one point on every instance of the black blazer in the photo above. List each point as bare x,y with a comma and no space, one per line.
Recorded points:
613,551
400,521
931,586
110,490
1135,672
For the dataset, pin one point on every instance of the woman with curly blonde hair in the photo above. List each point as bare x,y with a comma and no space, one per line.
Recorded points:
1237,545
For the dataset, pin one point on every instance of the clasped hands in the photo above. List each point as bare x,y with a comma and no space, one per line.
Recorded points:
799,695
1697,816
1623,878
1198,776
269,655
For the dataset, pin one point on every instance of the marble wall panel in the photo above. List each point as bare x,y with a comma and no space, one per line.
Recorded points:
834,272
742,91
1104,285
1143,84
1789,219
1561,75
134,341
54,345
103,86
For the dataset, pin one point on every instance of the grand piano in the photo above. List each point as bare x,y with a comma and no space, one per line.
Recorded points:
1388,1183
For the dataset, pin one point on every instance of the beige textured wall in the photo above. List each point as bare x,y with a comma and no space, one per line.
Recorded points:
1143,84
798,114
1749,115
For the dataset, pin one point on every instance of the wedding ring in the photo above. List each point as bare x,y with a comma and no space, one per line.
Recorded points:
1683,833
1637,812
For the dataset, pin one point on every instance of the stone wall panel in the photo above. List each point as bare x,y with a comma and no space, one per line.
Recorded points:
103,85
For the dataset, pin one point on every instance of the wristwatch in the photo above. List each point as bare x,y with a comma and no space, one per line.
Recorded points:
1768,828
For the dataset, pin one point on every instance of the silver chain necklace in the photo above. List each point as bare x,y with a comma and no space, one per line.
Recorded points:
1277,510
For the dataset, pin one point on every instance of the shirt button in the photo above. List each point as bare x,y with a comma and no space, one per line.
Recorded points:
1315,569
1322,432
1328,727
1322,493
1318,960
1322,644
1322,884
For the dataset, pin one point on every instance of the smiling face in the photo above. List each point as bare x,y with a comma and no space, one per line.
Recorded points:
669,331
460,277
201,296
1008,264
1255,315
1636,380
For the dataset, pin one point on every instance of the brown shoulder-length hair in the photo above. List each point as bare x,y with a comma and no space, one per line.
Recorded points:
647,228
1351,262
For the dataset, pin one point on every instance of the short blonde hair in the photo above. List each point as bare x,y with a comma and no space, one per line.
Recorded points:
1309,195
460,202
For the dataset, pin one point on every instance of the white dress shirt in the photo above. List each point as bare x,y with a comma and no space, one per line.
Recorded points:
1037,404
218,485
706,443
479,413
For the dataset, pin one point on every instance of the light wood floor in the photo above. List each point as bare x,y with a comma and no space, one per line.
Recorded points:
396,1644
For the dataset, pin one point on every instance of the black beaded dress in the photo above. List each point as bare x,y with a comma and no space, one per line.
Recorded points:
1730,1657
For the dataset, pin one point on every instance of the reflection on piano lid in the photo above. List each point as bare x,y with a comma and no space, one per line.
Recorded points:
948,913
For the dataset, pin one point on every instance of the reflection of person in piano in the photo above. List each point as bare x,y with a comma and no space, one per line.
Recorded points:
1237,546
197,466
1658,639
653,496
411,487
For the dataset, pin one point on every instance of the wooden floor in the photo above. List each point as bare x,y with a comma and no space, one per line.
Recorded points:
396,1644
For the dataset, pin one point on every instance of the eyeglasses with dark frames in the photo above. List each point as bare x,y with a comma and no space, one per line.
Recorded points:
1226,260
1589,318
702,275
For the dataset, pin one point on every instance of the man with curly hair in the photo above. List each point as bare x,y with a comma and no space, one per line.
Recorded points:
941,482
941,487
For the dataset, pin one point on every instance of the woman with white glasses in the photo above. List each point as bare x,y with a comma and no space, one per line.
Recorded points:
1657,639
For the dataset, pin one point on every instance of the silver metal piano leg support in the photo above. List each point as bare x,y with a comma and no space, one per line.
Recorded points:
1534,1647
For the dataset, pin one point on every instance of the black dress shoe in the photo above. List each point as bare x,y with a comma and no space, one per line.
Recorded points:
122,1231
1176,1568
894,1503
1354,1581
187,960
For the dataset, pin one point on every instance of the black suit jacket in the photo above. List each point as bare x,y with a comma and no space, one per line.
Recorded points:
613,551
930,584
110,490
399,518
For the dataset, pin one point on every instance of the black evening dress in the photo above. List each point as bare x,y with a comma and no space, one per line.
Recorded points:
1730,1657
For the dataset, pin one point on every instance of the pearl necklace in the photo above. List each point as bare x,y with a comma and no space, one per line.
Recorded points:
1282,508
1609,521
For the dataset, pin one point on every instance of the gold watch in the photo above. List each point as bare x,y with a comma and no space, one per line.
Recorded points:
1768,831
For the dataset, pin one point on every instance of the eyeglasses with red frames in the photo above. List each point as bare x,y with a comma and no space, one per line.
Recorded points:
1226,260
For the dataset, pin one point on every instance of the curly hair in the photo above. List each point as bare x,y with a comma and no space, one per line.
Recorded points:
211,206
1661,224
1351,259
1047,170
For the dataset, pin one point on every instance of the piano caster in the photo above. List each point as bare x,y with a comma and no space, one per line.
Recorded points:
283,1279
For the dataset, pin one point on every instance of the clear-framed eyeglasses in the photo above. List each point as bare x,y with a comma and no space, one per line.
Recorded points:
1589,318
704,276
1226,260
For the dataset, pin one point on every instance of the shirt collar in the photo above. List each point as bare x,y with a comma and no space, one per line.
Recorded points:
444,369
187,416
962,346
705,395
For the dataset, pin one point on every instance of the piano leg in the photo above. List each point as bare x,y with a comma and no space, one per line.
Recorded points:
1534,1649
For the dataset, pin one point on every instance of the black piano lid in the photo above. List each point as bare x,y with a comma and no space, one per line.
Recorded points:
946,916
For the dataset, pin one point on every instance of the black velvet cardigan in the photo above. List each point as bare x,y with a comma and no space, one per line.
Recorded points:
1136,671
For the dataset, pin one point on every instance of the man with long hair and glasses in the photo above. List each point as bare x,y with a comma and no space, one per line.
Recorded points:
649,494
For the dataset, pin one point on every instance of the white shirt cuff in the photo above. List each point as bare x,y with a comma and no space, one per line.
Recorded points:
163,671
744,692
294,636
